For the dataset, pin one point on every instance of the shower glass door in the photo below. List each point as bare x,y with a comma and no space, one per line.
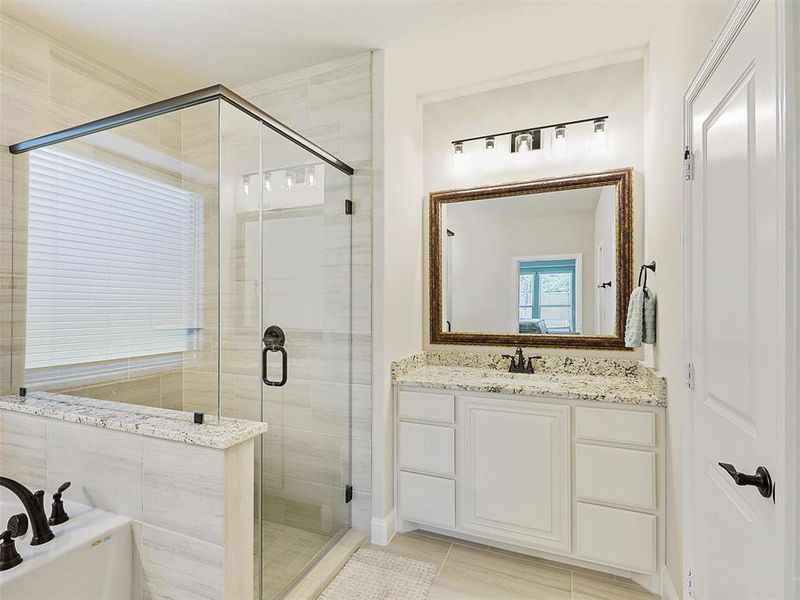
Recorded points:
285,338
305,270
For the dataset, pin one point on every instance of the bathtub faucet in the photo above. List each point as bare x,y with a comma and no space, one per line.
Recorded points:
34,506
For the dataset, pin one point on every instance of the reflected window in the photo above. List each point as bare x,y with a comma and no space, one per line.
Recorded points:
114,265
547,296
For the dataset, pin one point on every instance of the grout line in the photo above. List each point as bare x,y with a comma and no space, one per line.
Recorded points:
446,556
571,584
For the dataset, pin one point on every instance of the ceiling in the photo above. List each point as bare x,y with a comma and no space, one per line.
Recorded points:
179,45
525,207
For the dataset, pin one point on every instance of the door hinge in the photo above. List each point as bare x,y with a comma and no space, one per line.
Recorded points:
348,494
689,375
690,583
688,165
348,207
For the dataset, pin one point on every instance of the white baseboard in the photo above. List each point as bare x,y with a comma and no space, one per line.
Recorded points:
667,589
382,530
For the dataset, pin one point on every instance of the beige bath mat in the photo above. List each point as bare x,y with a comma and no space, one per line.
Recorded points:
374,575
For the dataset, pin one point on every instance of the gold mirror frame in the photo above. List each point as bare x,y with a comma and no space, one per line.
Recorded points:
621,178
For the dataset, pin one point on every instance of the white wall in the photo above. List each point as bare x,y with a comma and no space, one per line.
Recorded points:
397,258
615,90
485,285
676,50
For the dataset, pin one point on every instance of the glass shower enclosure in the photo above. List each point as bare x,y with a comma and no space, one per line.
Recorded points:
195,255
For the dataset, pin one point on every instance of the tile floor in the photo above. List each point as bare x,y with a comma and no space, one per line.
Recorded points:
287,550
473,572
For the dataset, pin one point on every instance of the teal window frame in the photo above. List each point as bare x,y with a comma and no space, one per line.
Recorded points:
540,267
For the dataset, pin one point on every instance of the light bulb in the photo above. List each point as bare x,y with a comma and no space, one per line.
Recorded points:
489,141
289,180
311,178
246,184
267,182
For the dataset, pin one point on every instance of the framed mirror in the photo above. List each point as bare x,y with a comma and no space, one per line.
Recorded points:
544,263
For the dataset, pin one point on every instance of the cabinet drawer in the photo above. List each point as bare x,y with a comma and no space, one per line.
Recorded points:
616,475
426,499
614,425
424,406
615,537
427,448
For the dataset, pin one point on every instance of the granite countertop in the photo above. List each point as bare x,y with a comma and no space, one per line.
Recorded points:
597,380
143,420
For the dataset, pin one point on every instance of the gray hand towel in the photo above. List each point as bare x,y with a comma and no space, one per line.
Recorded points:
640,326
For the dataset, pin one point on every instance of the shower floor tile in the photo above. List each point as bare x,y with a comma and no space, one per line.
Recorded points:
286,551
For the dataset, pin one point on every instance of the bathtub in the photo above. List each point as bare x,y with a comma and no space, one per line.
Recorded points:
90,558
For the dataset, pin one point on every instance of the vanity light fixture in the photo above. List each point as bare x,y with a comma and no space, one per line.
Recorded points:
311,178
290,178
246,184
267,182
524,140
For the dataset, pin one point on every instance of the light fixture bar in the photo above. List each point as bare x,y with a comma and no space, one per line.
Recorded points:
495,135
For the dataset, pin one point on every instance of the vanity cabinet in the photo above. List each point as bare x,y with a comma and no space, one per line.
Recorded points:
514,471
579,481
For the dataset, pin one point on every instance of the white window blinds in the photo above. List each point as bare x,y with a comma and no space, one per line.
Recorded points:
114,263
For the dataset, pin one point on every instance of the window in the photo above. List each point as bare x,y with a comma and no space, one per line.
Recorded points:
547,296
114,264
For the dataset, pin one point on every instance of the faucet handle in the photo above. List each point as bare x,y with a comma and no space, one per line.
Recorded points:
18,525
58,515
9,557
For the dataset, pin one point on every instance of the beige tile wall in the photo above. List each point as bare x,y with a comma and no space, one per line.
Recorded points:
51,87
44,87
192,527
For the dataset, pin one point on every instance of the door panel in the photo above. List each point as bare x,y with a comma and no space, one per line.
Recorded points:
514,471
735,322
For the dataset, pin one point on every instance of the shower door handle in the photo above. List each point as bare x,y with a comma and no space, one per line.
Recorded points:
274,340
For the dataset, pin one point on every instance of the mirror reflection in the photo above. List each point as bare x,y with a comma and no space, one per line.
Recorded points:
536,263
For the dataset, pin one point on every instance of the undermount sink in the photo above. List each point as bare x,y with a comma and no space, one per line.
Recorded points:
90,558
507,378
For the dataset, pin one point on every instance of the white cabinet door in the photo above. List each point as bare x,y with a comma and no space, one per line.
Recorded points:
514,471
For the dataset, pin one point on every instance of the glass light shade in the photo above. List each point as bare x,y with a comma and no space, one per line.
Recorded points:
600,135
559,143
523,142
246,185
290,180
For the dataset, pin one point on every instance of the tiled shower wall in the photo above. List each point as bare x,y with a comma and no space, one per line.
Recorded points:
330,104
44,86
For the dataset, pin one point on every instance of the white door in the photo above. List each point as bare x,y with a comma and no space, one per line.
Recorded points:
514,471
735,252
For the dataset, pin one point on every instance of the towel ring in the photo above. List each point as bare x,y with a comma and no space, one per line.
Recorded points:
643,271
